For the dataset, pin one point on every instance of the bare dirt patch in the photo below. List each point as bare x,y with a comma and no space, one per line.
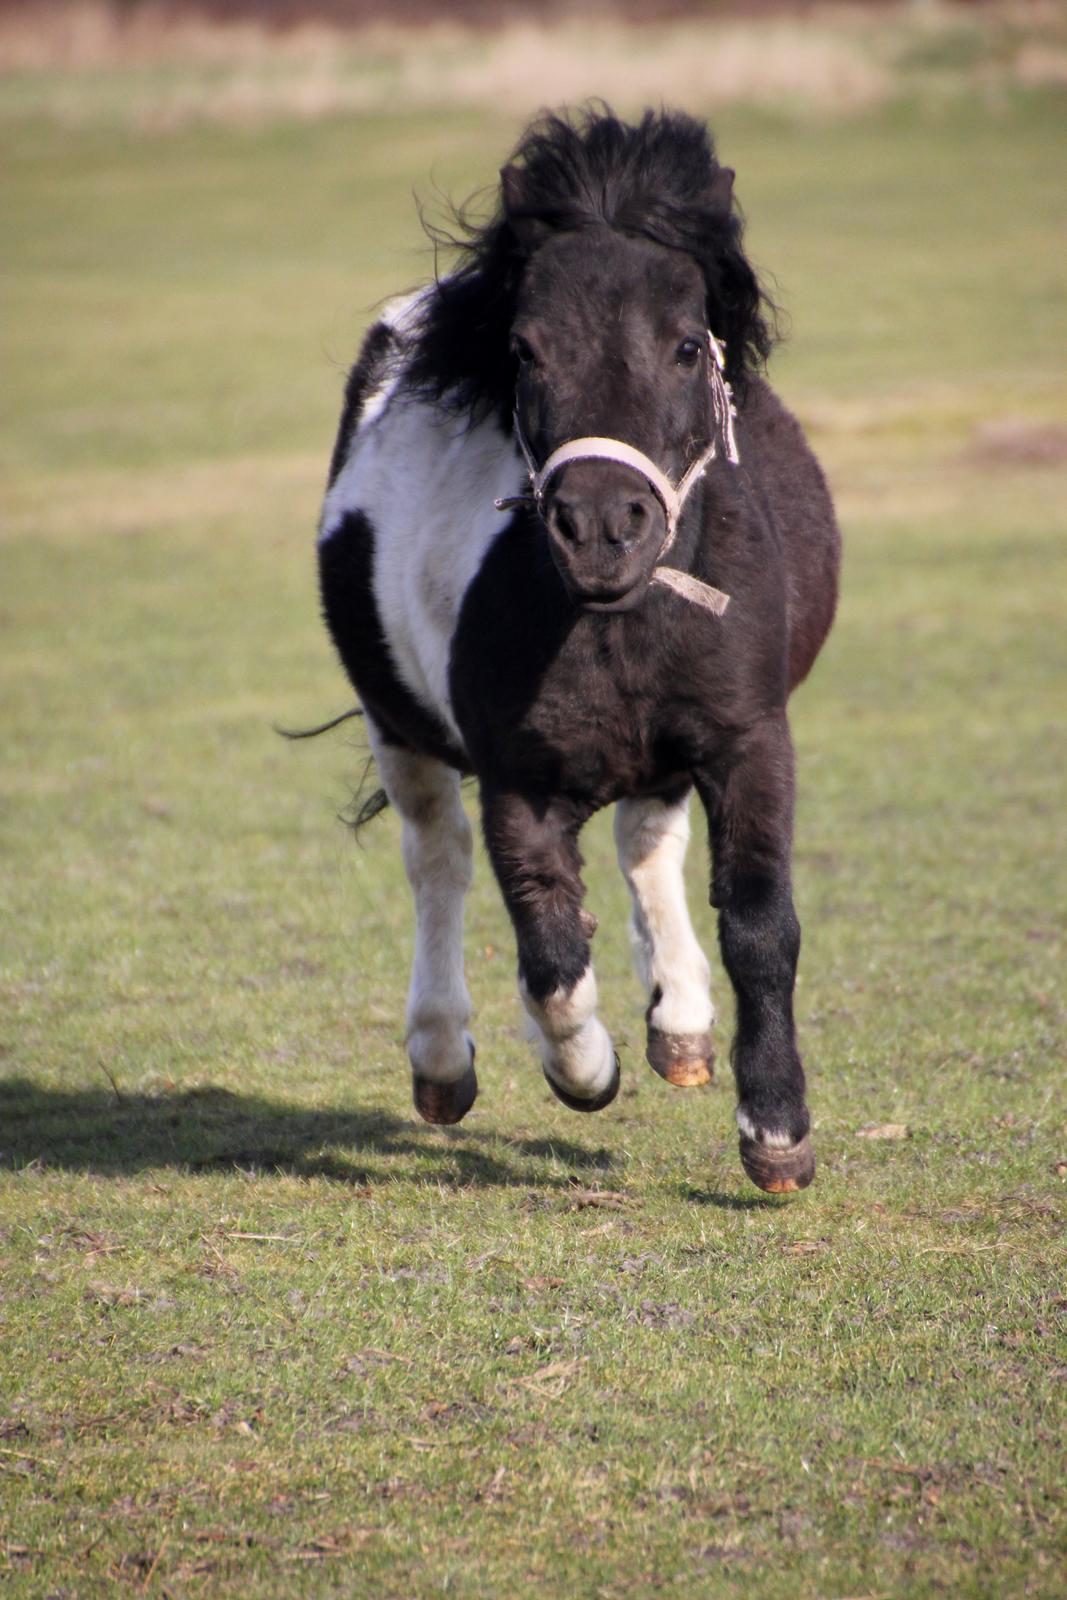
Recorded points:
1019,442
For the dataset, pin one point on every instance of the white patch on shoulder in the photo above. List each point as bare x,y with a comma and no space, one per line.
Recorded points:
426,481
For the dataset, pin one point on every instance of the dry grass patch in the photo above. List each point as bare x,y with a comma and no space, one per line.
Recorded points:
159,68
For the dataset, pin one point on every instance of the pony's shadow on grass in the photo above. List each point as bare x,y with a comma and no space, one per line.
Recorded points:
722,1200
213,1129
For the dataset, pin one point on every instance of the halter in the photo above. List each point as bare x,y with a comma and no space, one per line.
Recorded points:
672,497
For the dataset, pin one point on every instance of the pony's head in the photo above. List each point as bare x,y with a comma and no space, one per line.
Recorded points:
584,307
611,348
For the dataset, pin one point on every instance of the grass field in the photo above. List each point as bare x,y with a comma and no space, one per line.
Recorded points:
263,1333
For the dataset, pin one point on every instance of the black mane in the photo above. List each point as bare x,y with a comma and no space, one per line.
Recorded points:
659,179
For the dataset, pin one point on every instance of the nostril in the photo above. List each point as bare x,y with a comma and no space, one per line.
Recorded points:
627,523
565,523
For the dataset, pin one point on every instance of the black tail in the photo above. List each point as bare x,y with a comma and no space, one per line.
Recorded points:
323,727
358,813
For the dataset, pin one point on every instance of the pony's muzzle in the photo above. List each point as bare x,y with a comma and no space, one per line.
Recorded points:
606,529
619,523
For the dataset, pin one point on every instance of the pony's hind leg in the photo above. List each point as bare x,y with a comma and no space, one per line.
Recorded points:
651,838
436,842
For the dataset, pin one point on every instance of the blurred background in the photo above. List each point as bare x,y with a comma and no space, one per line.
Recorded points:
311,58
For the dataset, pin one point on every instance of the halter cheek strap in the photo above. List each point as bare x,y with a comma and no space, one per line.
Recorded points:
672,497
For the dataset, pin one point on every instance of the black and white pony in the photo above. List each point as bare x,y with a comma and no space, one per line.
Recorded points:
574,545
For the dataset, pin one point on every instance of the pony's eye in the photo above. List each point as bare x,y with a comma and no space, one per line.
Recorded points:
688,353
522,349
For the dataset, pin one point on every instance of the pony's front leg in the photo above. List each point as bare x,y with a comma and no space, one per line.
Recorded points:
436,843
651,838
533,846
748,794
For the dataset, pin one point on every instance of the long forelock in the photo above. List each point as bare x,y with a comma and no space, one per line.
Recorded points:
654,180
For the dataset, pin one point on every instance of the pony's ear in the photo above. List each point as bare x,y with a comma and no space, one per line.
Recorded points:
720,191
528,229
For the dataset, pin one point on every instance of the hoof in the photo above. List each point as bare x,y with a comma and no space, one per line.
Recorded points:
684,1059
598,1102
444,1102
778,1171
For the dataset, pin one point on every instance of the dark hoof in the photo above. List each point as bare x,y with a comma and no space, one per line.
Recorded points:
778,1171
444,1102
604,1098
684,1059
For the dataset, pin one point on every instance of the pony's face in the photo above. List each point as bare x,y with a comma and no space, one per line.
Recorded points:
610,340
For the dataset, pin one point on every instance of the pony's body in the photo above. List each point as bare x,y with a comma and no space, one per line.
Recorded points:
533,648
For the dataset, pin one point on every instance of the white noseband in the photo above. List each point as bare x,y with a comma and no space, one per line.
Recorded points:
672,497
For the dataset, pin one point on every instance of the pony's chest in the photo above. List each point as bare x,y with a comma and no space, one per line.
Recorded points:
596,707
588,735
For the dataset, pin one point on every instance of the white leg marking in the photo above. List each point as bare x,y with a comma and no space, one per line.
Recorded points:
436,845
776,1141
575,1045
651,840
745,1124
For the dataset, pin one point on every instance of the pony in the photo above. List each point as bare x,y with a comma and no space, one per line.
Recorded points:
573,545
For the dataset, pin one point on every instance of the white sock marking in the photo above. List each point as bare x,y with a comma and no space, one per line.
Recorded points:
651,840
576,1048
437,854
775,1141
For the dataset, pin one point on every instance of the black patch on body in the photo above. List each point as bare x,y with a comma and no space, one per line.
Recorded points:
346,574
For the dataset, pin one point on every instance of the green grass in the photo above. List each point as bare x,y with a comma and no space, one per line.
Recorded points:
263,1332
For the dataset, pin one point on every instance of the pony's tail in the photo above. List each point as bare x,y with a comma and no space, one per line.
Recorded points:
361,811
323,727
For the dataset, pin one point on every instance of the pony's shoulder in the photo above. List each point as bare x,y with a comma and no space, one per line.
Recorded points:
379,368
